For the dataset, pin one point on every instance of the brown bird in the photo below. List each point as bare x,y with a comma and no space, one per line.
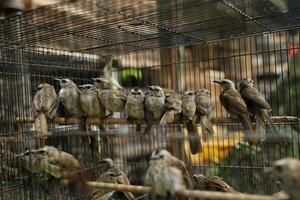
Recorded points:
287,171
134,107
204,112
108,166
172,107
167,174
189,118
213,183
45,105
69,96
235,105
113,175
50,160
154,106
111,97
258,107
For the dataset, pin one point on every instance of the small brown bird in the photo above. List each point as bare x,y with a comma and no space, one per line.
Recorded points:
69,97
287,171
52,161
235,105
45,105
167,174
172,107
213,183
154,106
204,112
134,107
189,118
113,175
258,106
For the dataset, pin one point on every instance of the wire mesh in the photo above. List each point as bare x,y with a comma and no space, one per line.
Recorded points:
168,43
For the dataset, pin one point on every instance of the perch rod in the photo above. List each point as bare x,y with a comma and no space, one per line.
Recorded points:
73,121
183,193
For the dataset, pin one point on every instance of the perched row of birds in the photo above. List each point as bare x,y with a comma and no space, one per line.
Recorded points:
166,174
157,104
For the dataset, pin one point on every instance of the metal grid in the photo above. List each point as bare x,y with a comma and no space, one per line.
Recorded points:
152,42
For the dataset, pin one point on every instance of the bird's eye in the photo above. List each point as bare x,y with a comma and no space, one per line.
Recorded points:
98,81
161,156
111,174
64,80
278,168
139,93
224,82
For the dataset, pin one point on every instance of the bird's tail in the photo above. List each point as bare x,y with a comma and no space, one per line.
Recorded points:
194,138
206,127
41,128
251,135
85,140
264,115
260,130
168,117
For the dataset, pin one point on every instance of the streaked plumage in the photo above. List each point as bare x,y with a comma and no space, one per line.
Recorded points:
213,183
134,107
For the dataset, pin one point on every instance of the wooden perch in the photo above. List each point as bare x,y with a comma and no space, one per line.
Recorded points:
183,193
74,121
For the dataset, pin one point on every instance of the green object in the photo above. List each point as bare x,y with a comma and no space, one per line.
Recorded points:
129,73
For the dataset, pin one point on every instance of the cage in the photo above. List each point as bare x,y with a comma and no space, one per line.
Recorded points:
180,45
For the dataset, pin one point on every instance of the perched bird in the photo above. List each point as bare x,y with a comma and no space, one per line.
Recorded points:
235,105
188,117
154,105
213,183
287,171
90,103
258,106
167,174
111,97
44,106
108,166
172,107
50,160
204,112
69,97
134,107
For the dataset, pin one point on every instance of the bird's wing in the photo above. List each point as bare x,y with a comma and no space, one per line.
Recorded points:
37,105
53,107
219,184
175,162
252,94
232,100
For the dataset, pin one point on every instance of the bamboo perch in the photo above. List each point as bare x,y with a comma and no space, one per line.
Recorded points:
74,121
183,193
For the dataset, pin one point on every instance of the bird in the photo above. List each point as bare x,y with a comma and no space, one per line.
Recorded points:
154,106
90,103
69,97
134,107
213,183
113,175
44,106
172,107
258,106
188,117
50,160
111,97
204,112
166,174
287,171
235,105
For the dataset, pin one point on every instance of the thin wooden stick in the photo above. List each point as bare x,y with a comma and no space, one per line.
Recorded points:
74,121
183,193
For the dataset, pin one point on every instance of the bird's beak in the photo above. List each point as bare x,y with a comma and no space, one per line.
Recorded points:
217,81
119,174
102,162
80,86
94,79
154,158
57,79
150,87
268,170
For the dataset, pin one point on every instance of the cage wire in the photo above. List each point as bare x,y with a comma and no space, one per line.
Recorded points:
180,45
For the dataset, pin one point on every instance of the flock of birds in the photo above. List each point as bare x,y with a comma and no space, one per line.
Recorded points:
156,104
166,175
